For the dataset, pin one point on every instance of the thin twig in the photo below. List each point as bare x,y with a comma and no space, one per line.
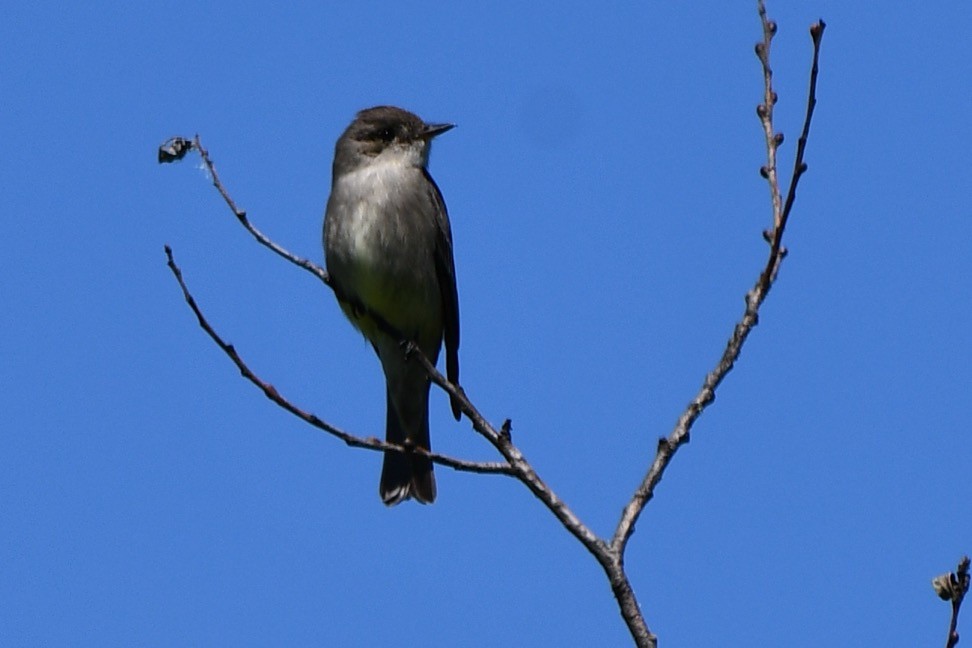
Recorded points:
271,392
667,447
240,214
765,113
505,446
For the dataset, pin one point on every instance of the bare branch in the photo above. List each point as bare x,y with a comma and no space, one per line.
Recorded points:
369,443
953,587
176,148
501,440
667,447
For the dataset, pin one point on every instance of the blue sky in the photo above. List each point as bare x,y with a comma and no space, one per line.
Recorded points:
606,210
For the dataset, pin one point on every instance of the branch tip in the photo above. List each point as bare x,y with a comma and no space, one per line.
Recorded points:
817,30
174,149
952,587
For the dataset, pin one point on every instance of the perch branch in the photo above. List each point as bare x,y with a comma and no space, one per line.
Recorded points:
369,443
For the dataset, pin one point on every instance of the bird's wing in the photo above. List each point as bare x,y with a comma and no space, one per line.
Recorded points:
445,270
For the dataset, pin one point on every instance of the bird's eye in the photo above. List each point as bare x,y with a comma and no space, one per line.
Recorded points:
386,134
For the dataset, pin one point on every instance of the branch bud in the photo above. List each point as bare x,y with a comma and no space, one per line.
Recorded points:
816,31
506,431
173,149
944,586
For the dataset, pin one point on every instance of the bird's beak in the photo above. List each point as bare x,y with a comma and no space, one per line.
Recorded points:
432,130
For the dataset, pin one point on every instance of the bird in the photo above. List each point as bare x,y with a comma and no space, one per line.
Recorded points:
389,256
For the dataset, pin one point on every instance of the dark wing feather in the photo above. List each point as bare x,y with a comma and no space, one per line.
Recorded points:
445,270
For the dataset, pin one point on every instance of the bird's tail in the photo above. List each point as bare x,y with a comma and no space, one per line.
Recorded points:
406,475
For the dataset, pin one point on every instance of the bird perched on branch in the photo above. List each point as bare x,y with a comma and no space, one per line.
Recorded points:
388,247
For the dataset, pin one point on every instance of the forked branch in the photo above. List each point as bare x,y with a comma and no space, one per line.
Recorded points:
668,446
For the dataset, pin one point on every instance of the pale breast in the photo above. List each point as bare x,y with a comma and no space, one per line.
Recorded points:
380,243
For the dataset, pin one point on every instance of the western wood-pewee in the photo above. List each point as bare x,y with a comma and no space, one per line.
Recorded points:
388,247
